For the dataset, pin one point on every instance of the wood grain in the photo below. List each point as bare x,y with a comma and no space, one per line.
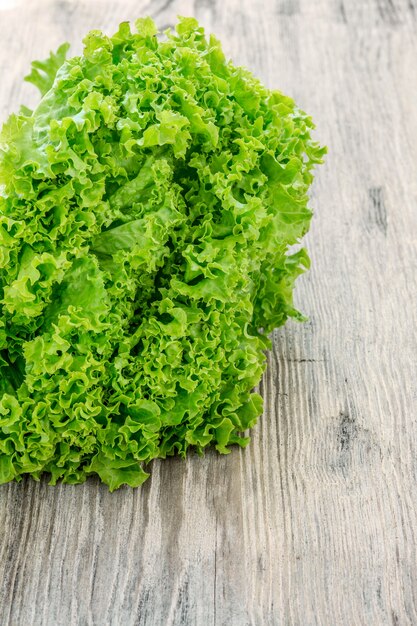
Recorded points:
315,523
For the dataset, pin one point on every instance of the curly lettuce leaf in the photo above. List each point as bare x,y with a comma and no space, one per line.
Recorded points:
44,72
149,207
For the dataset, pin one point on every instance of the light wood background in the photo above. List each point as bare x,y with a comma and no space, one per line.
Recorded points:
316,522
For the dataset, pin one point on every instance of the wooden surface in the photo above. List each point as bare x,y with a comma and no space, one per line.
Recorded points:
315,523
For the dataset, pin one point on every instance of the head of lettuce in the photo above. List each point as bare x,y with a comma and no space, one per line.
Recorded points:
147,206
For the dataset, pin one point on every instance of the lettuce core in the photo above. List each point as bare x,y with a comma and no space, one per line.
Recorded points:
147,207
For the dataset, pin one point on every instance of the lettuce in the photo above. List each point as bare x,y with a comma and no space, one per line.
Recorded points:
147,210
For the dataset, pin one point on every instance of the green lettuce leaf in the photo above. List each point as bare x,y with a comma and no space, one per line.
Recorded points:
43,72
149,207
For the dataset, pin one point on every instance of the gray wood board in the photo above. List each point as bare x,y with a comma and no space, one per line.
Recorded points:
315,523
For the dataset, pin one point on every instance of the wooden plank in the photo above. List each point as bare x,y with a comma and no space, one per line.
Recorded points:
315,523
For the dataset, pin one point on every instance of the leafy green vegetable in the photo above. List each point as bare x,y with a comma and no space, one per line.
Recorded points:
147,207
